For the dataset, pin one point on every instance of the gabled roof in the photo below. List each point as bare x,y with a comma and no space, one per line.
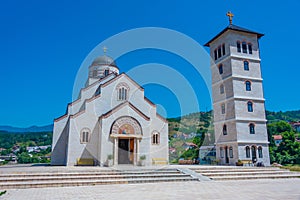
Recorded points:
234,28
118,106
126,103
122,75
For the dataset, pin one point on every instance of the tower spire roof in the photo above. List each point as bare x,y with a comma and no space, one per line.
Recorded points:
234,28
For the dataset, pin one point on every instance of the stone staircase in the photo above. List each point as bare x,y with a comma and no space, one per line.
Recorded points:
62,177
222,173
80,178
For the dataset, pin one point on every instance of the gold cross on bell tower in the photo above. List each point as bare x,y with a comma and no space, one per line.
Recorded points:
230,15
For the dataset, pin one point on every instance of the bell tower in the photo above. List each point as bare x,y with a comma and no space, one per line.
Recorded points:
238,100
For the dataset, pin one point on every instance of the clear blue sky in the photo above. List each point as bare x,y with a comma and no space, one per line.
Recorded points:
43,43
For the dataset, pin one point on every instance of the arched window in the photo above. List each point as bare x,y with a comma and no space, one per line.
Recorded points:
230,152
247,152
223,108
215,54
95,73
221,89
106,72
238,46
260,154
155,137
244,47
250,106
221,152
122,93
250,48
253,152
224,129
246,65
248,85
219,52
251,128
85,135
220,69
122,89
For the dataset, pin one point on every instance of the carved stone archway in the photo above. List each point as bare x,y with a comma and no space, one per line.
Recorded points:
127,129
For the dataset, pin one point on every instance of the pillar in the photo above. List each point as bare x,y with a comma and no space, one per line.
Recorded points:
116,151
137,149
135,152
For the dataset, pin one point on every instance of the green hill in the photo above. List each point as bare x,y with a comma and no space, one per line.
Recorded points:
289,116
16,144
188,133
184,132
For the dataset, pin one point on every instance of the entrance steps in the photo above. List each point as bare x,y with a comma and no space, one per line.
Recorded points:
36,177
57,179
244,173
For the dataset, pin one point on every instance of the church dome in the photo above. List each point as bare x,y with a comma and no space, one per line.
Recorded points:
104,60
103,66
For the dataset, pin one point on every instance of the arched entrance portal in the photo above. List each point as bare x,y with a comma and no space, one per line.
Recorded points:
127,134
253,152
226,155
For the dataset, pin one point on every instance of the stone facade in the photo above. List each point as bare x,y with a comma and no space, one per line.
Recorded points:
111,118
239,112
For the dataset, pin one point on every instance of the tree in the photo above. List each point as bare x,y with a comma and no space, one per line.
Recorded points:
288,152
24,158
5,152
199,139
279,127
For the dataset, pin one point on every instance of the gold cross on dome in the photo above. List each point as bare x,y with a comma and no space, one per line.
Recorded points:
230,15
104,49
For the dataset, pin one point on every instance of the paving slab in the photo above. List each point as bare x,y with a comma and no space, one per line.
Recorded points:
248,189
231,189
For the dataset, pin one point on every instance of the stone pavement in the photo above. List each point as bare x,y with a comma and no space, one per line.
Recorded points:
247,189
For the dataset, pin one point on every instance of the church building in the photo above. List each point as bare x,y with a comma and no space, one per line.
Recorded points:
113,121
110,122
238,100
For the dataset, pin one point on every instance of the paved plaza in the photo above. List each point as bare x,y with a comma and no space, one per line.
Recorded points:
254,189
242,189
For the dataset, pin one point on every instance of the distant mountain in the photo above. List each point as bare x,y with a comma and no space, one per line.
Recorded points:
187,123
31,129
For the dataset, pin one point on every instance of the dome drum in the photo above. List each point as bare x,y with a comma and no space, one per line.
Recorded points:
103,66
